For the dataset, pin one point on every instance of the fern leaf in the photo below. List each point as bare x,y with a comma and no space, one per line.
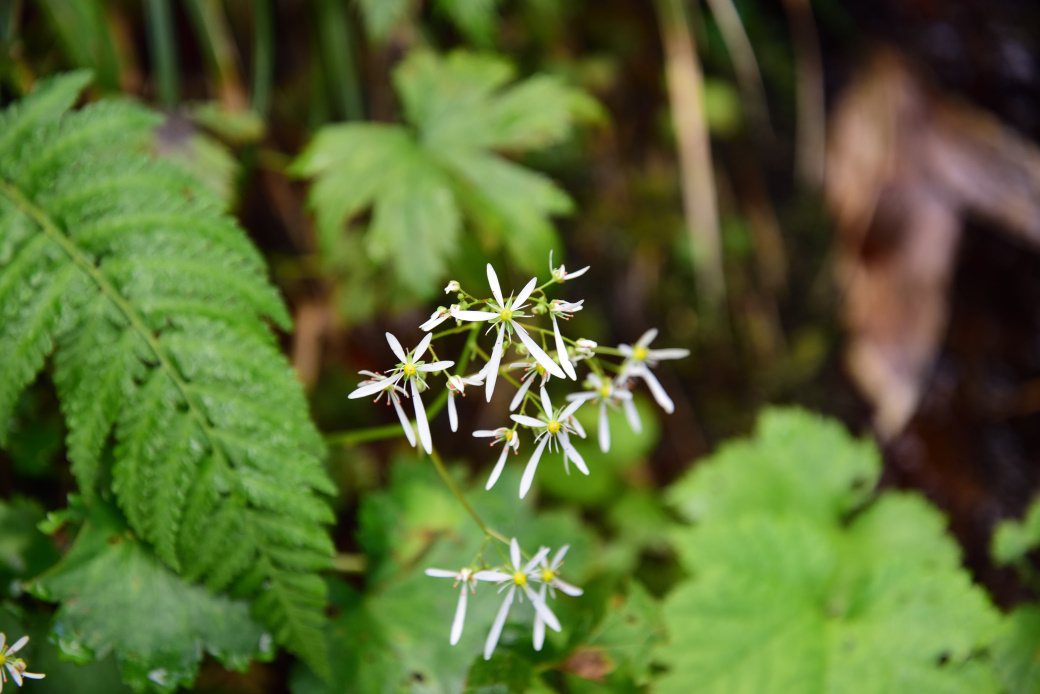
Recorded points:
153,303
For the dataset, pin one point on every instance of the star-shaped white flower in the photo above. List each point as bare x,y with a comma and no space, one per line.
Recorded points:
409,369
512,440
558,426
393,395
15,666
516,576
606,394
560,274
469,585
639,359
503,315
532,370
436,318
549,575
457,385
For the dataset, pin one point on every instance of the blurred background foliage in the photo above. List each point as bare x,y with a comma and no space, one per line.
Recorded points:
376,149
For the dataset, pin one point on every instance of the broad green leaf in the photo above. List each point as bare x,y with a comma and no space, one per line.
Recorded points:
117,596
1016,653
623,642
796,462
422,183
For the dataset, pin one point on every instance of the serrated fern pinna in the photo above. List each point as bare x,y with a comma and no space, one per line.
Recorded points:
153,302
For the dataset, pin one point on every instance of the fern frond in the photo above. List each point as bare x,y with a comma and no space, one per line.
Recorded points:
153,303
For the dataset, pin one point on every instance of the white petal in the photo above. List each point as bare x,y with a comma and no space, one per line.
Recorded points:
540,356
632,414
441,573
567,587
421,348
395,346
626,350
500,618
33,675
577,426
561,352
420,420
647,337
657,390
17,676
435,366
499,466
578,273
558,559
453,416
571,409
436,319
3,640
492,576
542,609
528,478
491,369
460,616
484,433
539,625
370,388
525,293
514,553
662,354
569,451
495,288
474,315
583,396
405,424
543,394
539,556
528,421
604,428
518,398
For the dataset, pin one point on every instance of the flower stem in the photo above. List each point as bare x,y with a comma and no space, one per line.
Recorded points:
443,472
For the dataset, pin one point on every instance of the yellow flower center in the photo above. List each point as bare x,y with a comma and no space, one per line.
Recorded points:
520,578
604,390
547,575
554,427
509,434
640,353
540,369
506,314
409,369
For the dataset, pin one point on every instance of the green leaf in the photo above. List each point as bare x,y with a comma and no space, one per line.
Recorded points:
24,550
474,18
153,304
421,183
783,596
797,462
118,596
1014,539
625,640
1016,654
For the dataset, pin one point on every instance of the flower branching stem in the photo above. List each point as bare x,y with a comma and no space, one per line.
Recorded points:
443,472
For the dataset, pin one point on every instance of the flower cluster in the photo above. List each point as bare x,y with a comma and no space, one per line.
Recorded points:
517,579
14,666
546,356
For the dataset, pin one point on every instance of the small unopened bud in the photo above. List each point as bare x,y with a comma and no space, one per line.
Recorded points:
453,286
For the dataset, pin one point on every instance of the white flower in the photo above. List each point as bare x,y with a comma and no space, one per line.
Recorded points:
393,393
516,576
466,578
503,316
564,310
512,440
549,576
457,384
532,369
436,318
583,349
560,274
639,359
16,666
605,393
408,369
558,426
453,286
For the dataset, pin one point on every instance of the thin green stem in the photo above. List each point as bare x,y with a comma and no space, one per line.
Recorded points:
443,472
263,56
349,563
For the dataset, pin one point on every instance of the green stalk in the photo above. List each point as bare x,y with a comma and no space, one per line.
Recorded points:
163,50
263,56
